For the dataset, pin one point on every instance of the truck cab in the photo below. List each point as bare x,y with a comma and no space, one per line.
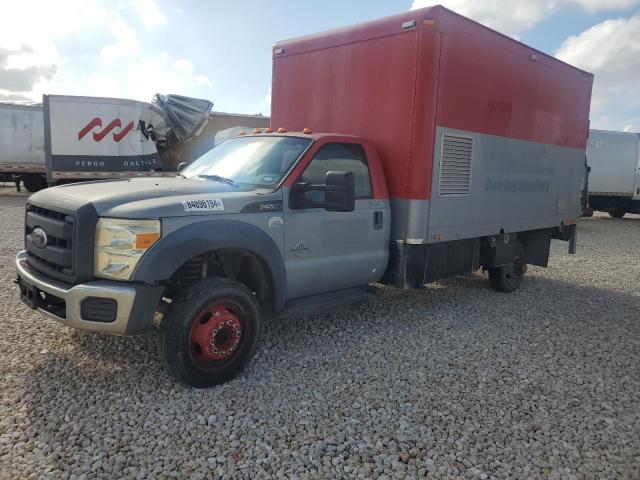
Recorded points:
260,224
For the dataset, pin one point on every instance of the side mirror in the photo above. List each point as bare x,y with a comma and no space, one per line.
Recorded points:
183,165
340,193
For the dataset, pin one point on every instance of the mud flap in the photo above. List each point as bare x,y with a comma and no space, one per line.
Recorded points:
573,240
567,233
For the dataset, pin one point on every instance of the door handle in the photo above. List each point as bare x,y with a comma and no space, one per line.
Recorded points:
378,220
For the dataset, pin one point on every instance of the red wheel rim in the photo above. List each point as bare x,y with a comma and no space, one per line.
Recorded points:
216,333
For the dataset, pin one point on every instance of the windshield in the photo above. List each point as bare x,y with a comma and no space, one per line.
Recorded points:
259,161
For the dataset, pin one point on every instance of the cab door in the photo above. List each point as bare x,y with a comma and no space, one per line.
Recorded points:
325,250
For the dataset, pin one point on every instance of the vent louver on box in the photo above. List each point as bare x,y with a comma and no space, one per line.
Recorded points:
455,165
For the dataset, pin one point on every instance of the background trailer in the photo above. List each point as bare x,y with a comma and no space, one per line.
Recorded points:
83,138
22,144
219,127
614,181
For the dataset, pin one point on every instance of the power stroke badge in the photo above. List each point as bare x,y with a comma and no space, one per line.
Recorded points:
203,205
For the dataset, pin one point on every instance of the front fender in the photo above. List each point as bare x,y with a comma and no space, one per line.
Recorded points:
167,255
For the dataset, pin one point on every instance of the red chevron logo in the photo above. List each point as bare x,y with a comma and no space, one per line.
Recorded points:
99,135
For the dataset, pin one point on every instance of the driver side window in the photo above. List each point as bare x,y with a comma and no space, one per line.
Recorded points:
342,157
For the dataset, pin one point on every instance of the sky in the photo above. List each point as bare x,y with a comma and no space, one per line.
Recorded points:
221,49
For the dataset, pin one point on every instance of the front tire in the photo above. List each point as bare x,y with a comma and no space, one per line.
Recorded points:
210,332
508,278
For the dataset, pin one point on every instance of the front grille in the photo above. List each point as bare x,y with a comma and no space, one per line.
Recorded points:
70,226
56,258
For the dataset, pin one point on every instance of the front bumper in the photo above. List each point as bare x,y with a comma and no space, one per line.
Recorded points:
135,304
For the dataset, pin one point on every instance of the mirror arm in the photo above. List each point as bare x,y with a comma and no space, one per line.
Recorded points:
330,206
325,188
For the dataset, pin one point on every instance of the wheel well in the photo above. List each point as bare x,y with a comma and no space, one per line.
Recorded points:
240,265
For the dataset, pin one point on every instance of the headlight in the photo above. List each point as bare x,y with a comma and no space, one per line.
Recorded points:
121,243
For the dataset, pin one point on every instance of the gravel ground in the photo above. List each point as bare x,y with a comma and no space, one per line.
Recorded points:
452,381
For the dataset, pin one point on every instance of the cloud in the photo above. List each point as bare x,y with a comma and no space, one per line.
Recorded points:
513,17
141,77
88,47
183,66
21,79
203,81
12,97
610,50
154,74
126,45
149,13
263,106
28,36
510,17
599,5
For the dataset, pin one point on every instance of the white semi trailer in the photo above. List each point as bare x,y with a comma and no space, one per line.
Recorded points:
614,181
70,138
22,155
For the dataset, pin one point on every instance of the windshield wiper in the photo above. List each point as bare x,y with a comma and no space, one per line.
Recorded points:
218,178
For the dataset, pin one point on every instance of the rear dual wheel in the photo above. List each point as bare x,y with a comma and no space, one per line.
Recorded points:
508,278
34,182
210,332
617,212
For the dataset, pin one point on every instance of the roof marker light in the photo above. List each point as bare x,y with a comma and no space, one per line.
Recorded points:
409,24
257,130
268,130
282,130
241,133
306,131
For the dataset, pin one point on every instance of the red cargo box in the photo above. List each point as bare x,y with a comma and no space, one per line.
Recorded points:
477,132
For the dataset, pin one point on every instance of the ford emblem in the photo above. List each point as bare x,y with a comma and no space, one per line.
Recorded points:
39,237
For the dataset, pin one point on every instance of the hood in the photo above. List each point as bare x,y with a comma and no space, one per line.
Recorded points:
152,197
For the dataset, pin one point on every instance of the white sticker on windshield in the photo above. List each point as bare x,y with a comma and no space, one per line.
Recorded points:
203,205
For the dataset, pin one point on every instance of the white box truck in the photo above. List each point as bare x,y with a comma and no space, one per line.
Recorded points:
614,181
412,159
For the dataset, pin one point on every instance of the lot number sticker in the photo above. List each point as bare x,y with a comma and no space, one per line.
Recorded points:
203,205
